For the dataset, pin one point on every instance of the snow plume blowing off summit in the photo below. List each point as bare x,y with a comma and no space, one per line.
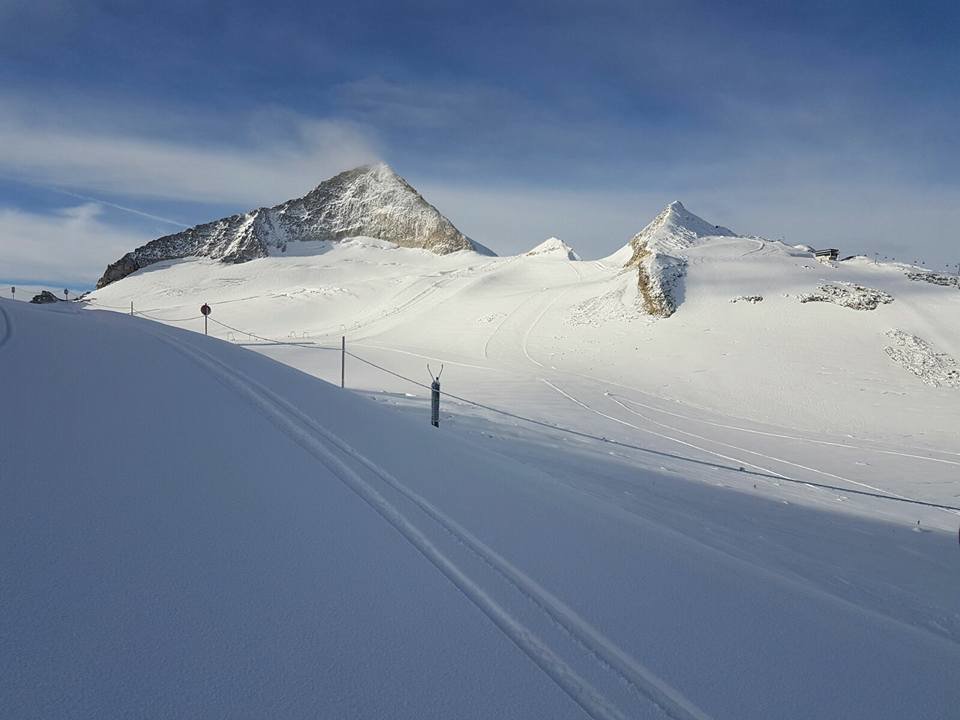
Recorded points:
370,201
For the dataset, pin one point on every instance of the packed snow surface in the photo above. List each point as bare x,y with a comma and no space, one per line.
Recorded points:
191,528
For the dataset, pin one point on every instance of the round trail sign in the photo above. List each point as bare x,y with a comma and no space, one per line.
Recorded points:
205,309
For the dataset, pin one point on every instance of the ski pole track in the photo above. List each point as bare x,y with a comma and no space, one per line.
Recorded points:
608,656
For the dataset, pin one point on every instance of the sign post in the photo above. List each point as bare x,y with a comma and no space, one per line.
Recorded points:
66,294
343,358
205,310
13,292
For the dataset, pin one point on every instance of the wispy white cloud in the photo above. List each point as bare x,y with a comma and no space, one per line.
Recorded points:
265,156
124,208
73,244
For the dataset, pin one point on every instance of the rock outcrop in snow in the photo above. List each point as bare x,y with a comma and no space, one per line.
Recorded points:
371,201
849,295
553,247
934,278
936,369
657,253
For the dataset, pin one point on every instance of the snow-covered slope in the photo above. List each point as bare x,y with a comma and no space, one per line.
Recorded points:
371,201
553,247
191,529
809,366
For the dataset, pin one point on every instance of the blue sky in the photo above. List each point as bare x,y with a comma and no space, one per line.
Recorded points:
823,123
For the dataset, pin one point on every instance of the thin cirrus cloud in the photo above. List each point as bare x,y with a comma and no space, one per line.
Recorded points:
71,245
95,150
259,164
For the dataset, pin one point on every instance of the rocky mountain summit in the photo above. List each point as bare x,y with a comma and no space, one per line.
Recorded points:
371,201
657,253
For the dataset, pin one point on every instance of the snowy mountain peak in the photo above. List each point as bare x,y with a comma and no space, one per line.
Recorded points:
676,228
657,252
371,201
553,247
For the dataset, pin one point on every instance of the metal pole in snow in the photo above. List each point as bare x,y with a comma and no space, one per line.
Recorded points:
343,358
13,292
131,308
435,403
435,396
204,324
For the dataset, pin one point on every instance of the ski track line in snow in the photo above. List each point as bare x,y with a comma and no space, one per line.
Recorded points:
762,455
298,426
7,326
786,437
878,492
496,330
503,322
738,461
427,357
526,335
735,417
447,278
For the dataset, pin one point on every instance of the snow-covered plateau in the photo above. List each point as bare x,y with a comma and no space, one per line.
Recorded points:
734,509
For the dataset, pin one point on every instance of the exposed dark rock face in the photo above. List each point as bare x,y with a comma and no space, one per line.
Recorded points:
44,297
370,201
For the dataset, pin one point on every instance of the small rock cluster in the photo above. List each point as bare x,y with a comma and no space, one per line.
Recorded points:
747,298
849,295
914,354
935,278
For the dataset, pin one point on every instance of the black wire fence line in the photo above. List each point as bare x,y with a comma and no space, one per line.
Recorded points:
659,453
308,346
570,431
158,319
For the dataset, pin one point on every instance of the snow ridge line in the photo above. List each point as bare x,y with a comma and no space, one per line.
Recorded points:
272,407
7,327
